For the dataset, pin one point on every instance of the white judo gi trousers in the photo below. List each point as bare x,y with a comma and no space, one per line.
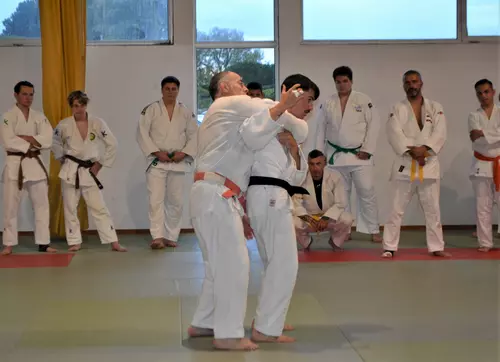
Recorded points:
428,195
98,211
218,226
484,189
166,194
339,231
366,209
38,194
274,231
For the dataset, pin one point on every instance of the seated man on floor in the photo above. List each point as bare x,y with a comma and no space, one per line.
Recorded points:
324,208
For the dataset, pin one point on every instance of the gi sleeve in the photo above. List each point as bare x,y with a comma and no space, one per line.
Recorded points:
298,205
142,136
297,127
110,145
437,138
299,173
258,130
491,135
321,123
372,119
57,142
10,141
44,133
395,135
339,199
191,135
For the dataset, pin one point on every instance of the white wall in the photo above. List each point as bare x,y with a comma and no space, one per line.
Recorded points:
119,88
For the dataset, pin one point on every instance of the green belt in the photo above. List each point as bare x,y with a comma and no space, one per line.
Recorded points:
155,160
339,149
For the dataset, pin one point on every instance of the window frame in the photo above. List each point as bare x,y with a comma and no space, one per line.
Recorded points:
474,38
239,45
37,42
459,38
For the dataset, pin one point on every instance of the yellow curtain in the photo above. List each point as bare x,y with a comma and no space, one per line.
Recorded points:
63,33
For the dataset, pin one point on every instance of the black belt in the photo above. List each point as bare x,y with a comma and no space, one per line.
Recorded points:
271,181
30,154
84,164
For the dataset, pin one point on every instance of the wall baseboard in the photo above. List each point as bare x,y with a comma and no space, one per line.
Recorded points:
191,231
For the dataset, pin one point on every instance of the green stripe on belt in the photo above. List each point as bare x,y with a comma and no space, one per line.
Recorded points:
339,149
155,160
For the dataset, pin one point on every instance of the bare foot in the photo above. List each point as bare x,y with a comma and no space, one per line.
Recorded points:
169,243
334,247
441,254
376,238
260,337
7,250
235,344
157,244
51,250
474,234
115,246
286,327
483,249
75,247
388,254
195,332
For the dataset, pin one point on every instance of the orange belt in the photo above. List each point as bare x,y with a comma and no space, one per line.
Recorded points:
496,167
234,190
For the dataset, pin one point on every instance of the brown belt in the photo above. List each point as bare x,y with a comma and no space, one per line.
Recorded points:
30,154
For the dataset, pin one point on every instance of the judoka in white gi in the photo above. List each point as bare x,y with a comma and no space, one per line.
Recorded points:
348,128
416,130
24,133
324,209
76,145
484,132
276,167
234,127
167,137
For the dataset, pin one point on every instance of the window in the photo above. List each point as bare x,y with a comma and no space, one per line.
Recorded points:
128,21
251,64
382,20
239,36
483,17
107,20
19,19
242,20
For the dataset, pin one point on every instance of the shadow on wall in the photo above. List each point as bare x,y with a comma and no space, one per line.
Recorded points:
457,208
137,195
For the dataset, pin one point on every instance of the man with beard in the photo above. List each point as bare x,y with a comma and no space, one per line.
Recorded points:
417,132
483,127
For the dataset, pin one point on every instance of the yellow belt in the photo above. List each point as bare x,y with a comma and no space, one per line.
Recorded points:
414,165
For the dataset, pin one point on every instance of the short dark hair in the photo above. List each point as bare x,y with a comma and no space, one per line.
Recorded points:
170,79
482,82
305,83
412,72
342,71
214,83
23,83
79,96
315,154
254,86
